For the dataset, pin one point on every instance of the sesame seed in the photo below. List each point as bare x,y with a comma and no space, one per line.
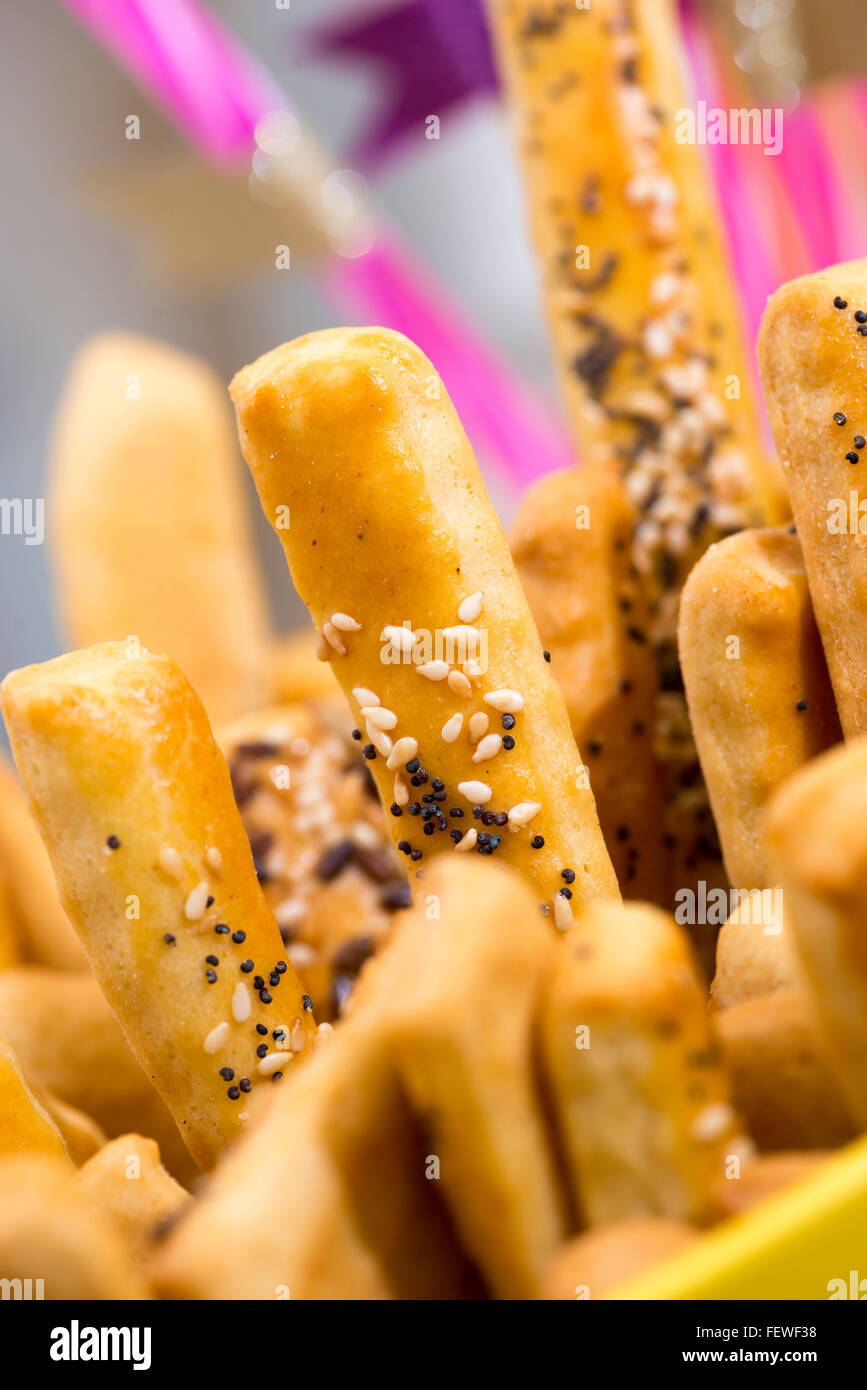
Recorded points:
472,669
400,637
468,842
332,637
452,728
344,623
433,670
242,1004
170,862
379,717
506,701
271,1063
478,725
563,918
523,813
381,741
297,1037
217,1038
364,696
487,748
458,684
470,607
475,792
403,751
197,901
113,842
711,1123
401,791
214,861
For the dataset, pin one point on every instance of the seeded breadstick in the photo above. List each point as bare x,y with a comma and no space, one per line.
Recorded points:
397,553
53,1241
135,804
328,1196
571,543
638,1093
43,929
126,1182
25,1124
813,356
149,531
458,993
641,306
591,1264
817,830
759,697
70,1043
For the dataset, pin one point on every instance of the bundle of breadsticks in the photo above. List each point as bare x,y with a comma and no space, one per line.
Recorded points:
337,918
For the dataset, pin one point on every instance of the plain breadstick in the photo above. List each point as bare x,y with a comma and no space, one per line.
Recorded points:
759,697
149,534
755,954
570,542
25,1124
128,1185
637,1088
135,803
366,474
817,830
813,357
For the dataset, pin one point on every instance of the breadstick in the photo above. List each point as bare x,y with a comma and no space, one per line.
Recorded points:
70,1043
781,1075
297,672
817,831
326,1197
759,697
755,954
763,1176
126,1182
458,993
25,1124
364,471
149,529
44,931
53,1244
813,359
320,842
81,1134
638,1092
10,942
641,307
135,803
570,543
591,1264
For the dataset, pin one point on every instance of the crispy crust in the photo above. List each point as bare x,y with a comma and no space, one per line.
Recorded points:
119,761
364,471
149,533
812,359
744,699
570,542
639,1095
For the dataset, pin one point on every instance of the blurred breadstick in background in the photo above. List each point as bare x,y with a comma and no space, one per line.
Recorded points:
25,1124
591,1264
814,367
642,309
817,831
148,528
135,803
44,933
296,671
366,474
571,543
128,1185
637,1089
69,1042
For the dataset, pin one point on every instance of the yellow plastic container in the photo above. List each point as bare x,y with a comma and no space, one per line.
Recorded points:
809,1241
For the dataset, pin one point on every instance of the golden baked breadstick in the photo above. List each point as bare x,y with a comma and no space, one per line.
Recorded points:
326,1197
642,311
365,472
591,1264
135,803
321,845
297,673
759,697
128,1185
755,954
69,1042
53,1244
149,529
25,1124
570,543
457,994
781,1076
812,357
81,1134
638,1092
817,831
45,932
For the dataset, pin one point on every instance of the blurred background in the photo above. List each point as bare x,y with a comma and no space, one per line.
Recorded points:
103,231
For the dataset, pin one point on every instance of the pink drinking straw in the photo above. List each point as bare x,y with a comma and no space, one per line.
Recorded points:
215,93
